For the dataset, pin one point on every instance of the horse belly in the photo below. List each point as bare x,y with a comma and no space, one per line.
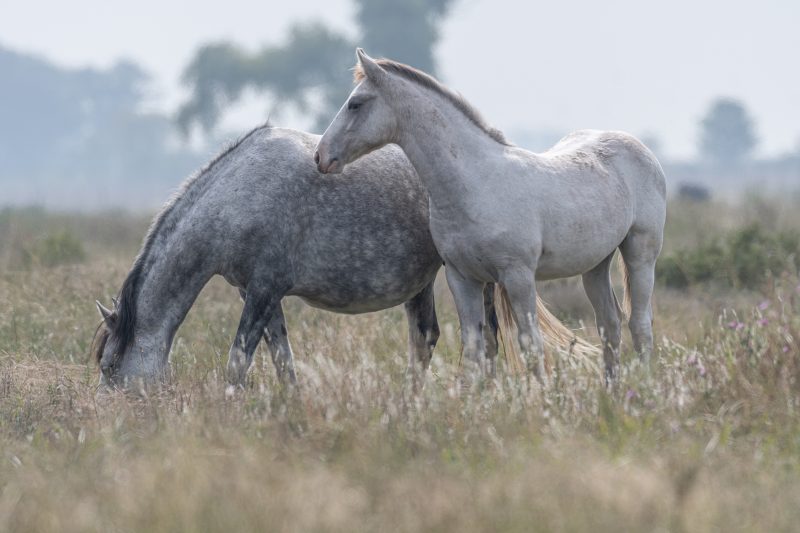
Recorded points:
354,306
355,294
579,247
361,283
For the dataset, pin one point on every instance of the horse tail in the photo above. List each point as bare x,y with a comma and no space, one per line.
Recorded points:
555,334
626,284
504,314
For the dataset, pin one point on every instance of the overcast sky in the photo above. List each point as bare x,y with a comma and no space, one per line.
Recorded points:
644,67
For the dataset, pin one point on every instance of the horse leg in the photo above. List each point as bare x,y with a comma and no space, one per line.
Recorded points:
597,284
468,296
640,251
490,329
423,331
280,349
277,339
521,288
258,310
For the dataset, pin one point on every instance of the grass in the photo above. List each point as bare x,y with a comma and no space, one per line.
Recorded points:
709,440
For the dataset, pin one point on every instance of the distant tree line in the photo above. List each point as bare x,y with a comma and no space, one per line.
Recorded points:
72,136
79,137
727,133
310,70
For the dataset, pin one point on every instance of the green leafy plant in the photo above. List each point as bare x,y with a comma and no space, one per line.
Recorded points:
59,248
744,258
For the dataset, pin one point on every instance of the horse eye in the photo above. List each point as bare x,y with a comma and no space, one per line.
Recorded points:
353,106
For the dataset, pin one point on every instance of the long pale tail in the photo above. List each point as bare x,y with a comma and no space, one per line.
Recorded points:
626,283
557,337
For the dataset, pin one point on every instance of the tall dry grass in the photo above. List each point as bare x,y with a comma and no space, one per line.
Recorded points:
708,440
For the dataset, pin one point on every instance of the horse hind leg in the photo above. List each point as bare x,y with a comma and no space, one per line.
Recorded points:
490,329
639,253
607,313
423,330
520,288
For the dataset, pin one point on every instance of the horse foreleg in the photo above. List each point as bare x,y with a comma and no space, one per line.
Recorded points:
279,347
259,307
468,296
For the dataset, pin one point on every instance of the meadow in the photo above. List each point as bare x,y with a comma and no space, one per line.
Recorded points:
707,440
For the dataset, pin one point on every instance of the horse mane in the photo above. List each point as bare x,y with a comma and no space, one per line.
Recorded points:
124,317
429,82
99,342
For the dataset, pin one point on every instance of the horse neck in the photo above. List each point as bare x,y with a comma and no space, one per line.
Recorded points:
448,151
169,286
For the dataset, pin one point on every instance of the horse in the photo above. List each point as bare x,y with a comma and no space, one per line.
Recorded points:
259,215
501,214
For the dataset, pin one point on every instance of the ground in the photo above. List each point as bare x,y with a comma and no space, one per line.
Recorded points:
709,439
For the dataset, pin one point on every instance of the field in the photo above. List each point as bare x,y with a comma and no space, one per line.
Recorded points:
708,440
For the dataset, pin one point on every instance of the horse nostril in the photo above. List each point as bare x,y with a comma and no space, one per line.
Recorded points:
316,157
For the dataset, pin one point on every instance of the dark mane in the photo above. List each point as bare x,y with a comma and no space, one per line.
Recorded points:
125,311
99,342
429,82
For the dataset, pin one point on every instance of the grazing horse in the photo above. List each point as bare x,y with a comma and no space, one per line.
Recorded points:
501,214
260,216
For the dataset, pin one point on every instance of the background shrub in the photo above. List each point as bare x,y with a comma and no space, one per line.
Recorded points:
743,258
59,248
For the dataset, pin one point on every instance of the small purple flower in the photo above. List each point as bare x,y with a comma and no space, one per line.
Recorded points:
702,370
630,395
692,359
763,306
763,322
785,349
735,324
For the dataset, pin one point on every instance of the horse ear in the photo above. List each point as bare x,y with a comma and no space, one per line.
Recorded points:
108,315
372,70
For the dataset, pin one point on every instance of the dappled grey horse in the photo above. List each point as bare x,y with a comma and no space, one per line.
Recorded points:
501,214
260,216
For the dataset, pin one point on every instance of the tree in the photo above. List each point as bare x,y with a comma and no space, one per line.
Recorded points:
314,61
78,137
405,31
727,133
310,71
48,110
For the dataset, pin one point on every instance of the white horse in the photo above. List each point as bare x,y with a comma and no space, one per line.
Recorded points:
502,214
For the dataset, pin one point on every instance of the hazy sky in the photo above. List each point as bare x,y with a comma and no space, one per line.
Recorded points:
619,64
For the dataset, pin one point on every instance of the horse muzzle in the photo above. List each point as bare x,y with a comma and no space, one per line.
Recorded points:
327,165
